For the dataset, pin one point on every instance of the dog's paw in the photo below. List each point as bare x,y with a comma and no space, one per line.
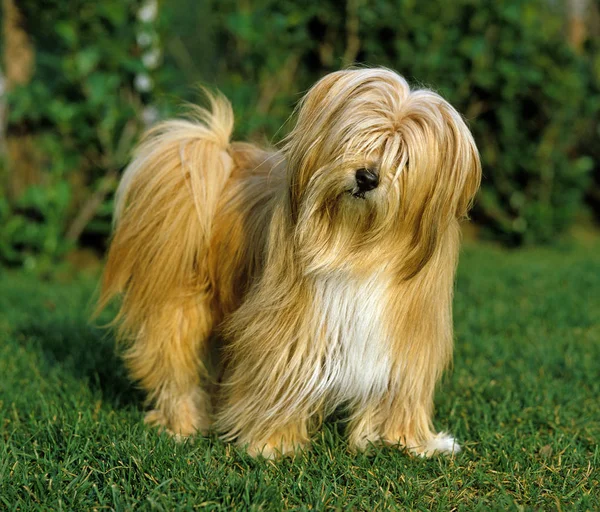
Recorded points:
273,451
364,441
286,443
442,443
180,427
157,419
438,444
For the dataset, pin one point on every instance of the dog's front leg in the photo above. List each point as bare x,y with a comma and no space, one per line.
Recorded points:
268,401
409,422
418,326
403,419
263,416
286,440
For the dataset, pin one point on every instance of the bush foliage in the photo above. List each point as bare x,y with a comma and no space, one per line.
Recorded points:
84,112
531,101
505,65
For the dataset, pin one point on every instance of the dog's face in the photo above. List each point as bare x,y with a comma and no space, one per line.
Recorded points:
376,172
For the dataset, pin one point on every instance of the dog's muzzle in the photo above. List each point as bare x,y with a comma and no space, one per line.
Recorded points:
365,180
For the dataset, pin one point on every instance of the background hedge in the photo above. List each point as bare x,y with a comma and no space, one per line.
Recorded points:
104,70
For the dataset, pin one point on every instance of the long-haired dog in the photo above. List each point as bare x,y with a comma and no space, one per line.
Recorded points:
325,269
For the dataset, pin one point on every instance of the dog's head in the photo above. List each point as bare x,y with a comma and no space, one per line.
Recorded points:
376,170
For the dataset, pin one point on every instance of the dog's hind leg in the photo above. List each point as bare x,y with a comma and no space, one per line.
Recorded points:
157,264
168,360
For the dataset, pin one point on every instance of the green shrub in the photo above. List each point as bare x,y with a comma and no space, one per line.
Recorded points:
84,112
530,101
591,142
505,65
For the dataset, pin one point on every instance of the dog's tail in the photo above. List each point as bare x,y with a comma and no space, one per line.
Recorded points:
165,206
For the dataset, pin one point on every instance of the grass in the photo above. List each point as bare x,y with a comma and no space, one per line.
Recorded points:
523,398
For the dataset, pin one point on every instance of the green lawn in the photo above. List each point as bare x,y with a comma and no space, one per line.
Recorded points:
523,399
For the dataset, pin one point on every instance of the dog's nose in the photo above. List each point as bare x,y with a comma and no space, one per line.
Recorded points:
366,180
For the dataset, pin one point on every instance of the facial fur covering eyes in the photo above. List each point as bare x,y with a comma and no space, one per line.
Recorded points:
323,271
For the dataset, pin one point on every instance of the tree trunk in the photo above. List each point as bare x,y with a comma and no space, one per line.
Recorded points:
22,159
577,10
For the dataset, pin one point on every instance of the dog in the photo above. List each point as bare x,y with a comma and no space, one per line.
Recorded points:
323,272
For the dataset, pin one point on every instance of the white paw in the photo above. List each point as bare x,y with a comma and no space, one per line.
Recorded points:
441,443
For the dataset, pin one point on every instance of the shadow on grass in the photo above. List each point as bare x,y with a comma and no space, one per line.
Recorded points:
87,353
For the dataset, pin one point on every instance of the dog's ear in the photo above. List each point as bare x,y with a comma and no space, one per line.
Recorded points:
442,176
466,164
303,147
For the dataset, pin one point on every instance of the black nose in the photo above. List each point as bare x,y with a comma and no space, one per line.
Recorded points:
366,180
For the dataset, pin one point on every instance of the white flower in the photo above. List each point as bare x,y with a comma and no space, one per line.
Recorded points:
149,115
151,58
147,13
143,83
144,39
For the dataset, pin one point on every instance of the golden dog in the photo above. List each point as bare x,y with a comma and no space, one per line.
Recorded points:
324,270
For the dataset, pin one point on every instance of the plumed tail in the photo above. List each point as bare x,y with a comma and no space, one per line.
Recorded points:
165,206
